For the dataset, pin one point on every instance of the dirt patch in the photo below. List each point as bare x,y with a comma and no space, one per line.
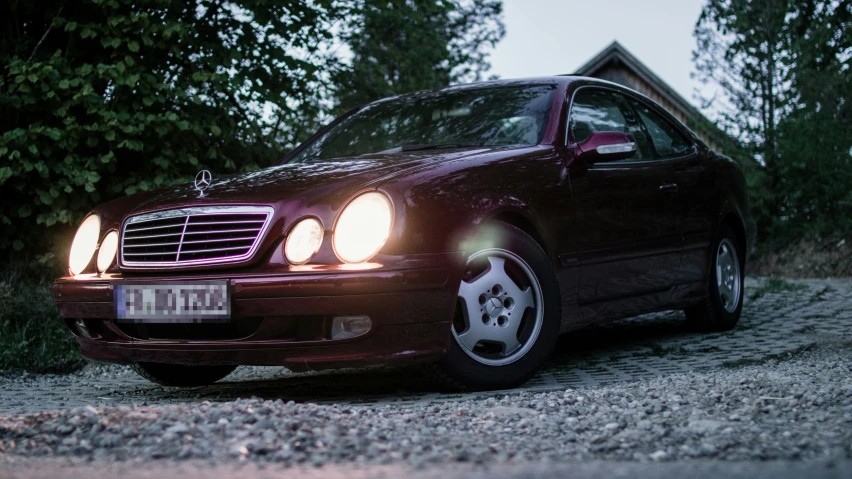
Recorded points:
807,258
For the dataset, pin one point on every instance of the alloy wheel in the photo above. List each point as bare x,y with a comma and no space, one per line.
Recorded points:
728,277
501,308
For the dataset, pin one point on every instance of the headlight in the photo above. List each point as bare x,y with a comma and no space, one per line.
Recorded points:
362,228
107,252
84,245
303,241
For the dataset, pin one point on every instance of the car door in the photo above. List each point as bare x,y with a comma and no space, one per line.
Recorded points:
696,189
625,235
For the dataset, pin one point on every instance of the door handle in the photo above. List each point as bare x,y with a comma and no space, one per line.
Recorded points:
668,188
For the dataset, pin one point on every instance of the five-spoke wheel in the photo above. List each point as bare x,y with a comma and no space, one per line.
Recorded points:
501,319
508,314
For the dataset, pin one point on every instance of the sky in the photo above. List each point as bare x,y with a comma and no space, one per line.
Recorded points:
549,37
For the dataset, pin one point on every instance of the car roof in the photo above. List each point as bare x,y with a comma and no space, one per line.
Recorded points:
557,80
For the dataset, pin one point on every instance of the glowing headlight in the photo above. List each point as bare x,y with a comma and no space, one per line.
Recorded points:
303,241
84,245
107,252
363,228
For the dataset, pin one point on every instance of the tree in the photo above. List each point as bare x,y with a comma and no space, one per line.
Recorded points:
399,46
102,98
815,137
782,67
742,46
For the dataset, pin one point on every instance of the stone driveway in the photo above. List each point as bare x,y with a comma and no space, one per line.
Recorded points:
780,318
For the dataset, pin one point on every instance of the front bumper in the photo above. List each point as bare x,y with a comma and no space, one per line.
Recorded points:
409,299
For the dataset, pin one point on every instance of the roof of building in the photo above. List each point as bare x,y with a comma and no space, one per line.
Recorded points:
617,54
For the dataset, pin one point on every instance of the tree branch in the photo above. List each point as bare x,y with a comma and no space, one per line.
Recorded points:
49,26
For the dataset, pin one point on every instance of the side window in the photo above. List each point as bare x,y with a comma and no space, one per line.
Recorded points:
668,142
597,110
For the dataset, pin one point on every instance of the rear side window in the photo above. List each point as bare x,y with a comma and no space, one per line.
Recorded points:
668,142
596,110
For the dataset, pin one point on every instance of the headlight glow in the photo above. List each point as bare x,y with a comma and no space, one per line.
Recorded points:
106,254
304,241
362,228
84,244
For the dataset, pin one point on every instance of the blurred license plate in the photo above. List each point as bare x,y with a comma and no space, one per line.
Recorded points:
196,302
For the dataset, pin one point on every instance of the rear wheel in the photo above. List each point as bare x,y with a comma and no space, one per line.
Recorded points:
507,316
179,375
721,310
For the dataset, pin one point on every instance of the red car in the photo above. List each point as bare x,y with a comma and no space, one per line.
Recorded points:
463,229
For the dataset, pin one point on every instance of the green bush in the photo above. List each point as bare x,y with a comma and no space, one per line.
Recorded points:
32,334
103,98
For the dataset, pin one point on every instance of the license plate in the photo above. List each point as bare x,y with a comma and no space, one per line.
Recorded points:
196,302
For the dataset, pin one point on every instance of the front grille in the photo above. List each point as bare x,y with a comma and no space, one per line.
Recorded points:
193,236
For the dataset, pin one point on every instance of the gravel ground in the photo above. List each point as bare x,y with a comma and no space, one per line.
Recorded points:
794,409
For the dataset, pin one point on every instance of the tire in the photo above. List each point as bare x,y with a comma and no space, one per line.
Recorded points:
179,375
528,288
717,313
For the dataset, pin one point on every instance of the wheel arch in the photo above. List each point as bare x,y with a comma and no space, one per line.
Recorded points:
522,222
735,223
525,221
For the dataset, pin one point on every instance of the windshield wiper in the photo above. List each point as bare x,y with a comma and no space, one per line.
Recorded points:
435,147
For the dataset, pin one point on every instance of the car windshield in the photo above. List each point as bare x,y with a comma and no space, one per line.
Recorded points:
467,117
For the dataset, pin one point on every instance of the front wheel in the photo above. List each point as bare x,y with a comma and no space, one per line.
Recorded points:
507,316
179,375
721,310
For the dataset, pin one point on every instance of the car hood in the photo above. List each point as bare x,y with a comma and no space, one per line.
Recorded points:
331,182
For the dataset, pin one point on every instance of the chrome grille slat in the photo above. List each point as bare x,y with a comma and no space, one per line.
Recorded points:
153,236
225,222
151,253
146,245
154,228
211,250
206,232
219,240
198,236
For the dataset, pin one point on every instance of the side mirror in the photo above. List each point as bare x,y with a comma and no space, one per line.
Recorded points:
604,146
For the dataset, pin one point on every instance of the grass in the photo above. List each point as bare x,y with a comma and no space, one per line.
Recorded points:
774,285
33,337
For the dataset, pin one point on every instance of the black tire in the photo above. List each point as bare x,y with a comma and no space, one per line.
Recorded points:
179,375
457,371
711,314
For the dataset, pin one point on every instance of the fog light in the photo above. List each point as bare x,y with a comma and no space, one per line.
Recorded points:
82,329
343,327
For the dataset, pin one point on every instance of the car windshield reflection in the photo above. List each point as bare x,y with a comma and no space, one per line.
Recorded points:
489,116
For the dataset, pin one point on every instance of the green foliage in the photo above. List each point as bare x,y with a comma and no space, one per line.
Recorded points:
399,46
32,335
784,68
103,98
815,137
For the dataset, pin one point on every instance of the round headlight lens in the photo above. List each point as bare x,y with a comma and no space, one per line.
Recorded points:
363,228
106,254
304,241
84,245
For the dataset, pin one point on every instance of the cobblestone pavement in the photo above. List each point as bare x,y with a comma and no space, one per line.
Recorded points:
779,318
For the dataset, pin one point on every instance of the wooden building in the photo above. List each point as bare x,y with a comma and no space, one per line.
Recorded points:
614,63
